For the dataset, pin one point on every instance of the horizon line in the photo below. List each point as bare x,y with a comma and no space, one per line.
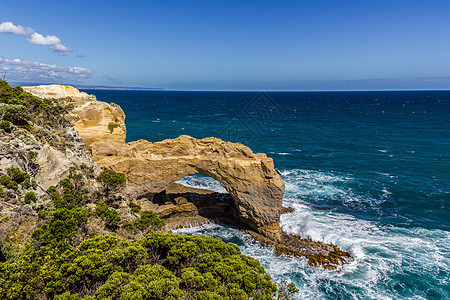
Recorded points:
101,87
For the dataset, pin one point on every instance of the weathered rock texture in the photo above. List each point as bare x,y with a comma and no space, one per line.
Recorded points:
250,178
51,163
94,120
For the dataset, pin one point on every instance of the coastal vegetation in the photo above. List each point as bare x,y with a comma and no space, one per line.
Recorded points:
59,262
82,238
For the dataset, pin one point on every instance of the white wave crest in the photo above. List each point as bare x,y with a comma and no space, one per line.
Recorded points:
202,182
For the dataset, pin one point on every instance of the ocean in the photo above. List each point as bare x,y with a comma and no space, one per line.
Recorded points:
380,159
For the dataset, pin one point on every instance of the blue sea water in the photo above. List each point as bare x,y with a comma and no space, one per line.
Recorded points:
381,159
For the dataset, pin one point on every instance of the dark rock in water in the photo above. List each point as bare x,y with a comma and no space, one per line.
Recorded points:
320,207
286,210
318,254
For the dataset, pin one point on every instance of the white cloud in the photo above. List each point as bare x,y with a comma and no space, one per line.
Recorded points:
61,48
39,39
23,71
9,27
34,37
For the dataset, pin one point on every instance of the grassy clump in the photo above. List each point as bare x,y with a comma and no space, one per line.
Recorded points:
111,127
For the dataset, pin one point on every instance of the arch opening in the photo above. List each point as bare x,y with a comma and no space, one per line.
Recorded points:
193,200
204,182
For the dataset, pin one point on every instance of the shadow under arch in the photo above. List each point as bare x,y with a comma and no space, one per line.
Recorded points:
193,200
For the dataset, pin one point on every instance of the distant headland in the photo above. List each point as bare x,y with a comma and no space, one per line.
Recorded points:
90,87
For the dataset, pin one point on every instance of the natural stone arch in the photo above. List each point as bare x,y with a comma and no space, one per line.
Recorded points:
250,178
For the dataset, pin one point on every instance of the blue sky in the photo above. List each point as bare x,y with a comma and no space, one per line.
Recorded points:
230,45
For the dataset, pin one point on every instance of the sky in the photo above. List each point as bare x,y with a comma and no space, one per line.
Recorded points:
228,45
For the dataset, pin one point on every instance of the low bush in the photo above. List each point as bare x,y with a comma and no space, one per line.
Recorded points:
5,125
160,266
134,207
30,197
8,183
149,221
107,214
17,175
111,179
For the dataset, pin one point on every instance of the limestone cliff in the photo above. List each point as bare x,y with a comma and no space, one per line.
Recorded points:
94,120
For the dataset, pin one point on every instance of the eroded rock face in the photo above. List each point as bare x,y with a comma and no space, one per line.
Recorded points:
51,163
94,120
250,178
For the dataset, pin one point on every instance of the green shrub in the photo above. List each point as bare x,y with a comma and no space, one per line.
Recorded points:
109,215
43,214
62,225
6,182
16,114
5,125
32,155
160,266
30,197
111,179
134,207
149,220
73,192
27,184
86,168
111,127
129,226
19,108
17,175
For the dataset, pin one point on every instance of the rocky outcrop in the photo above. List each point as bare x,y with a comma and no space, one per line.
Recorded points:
94,120
51,163
59,91
250,178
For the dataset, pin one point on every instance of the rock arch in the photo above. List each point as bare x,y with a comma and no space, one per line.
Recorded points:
250,178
